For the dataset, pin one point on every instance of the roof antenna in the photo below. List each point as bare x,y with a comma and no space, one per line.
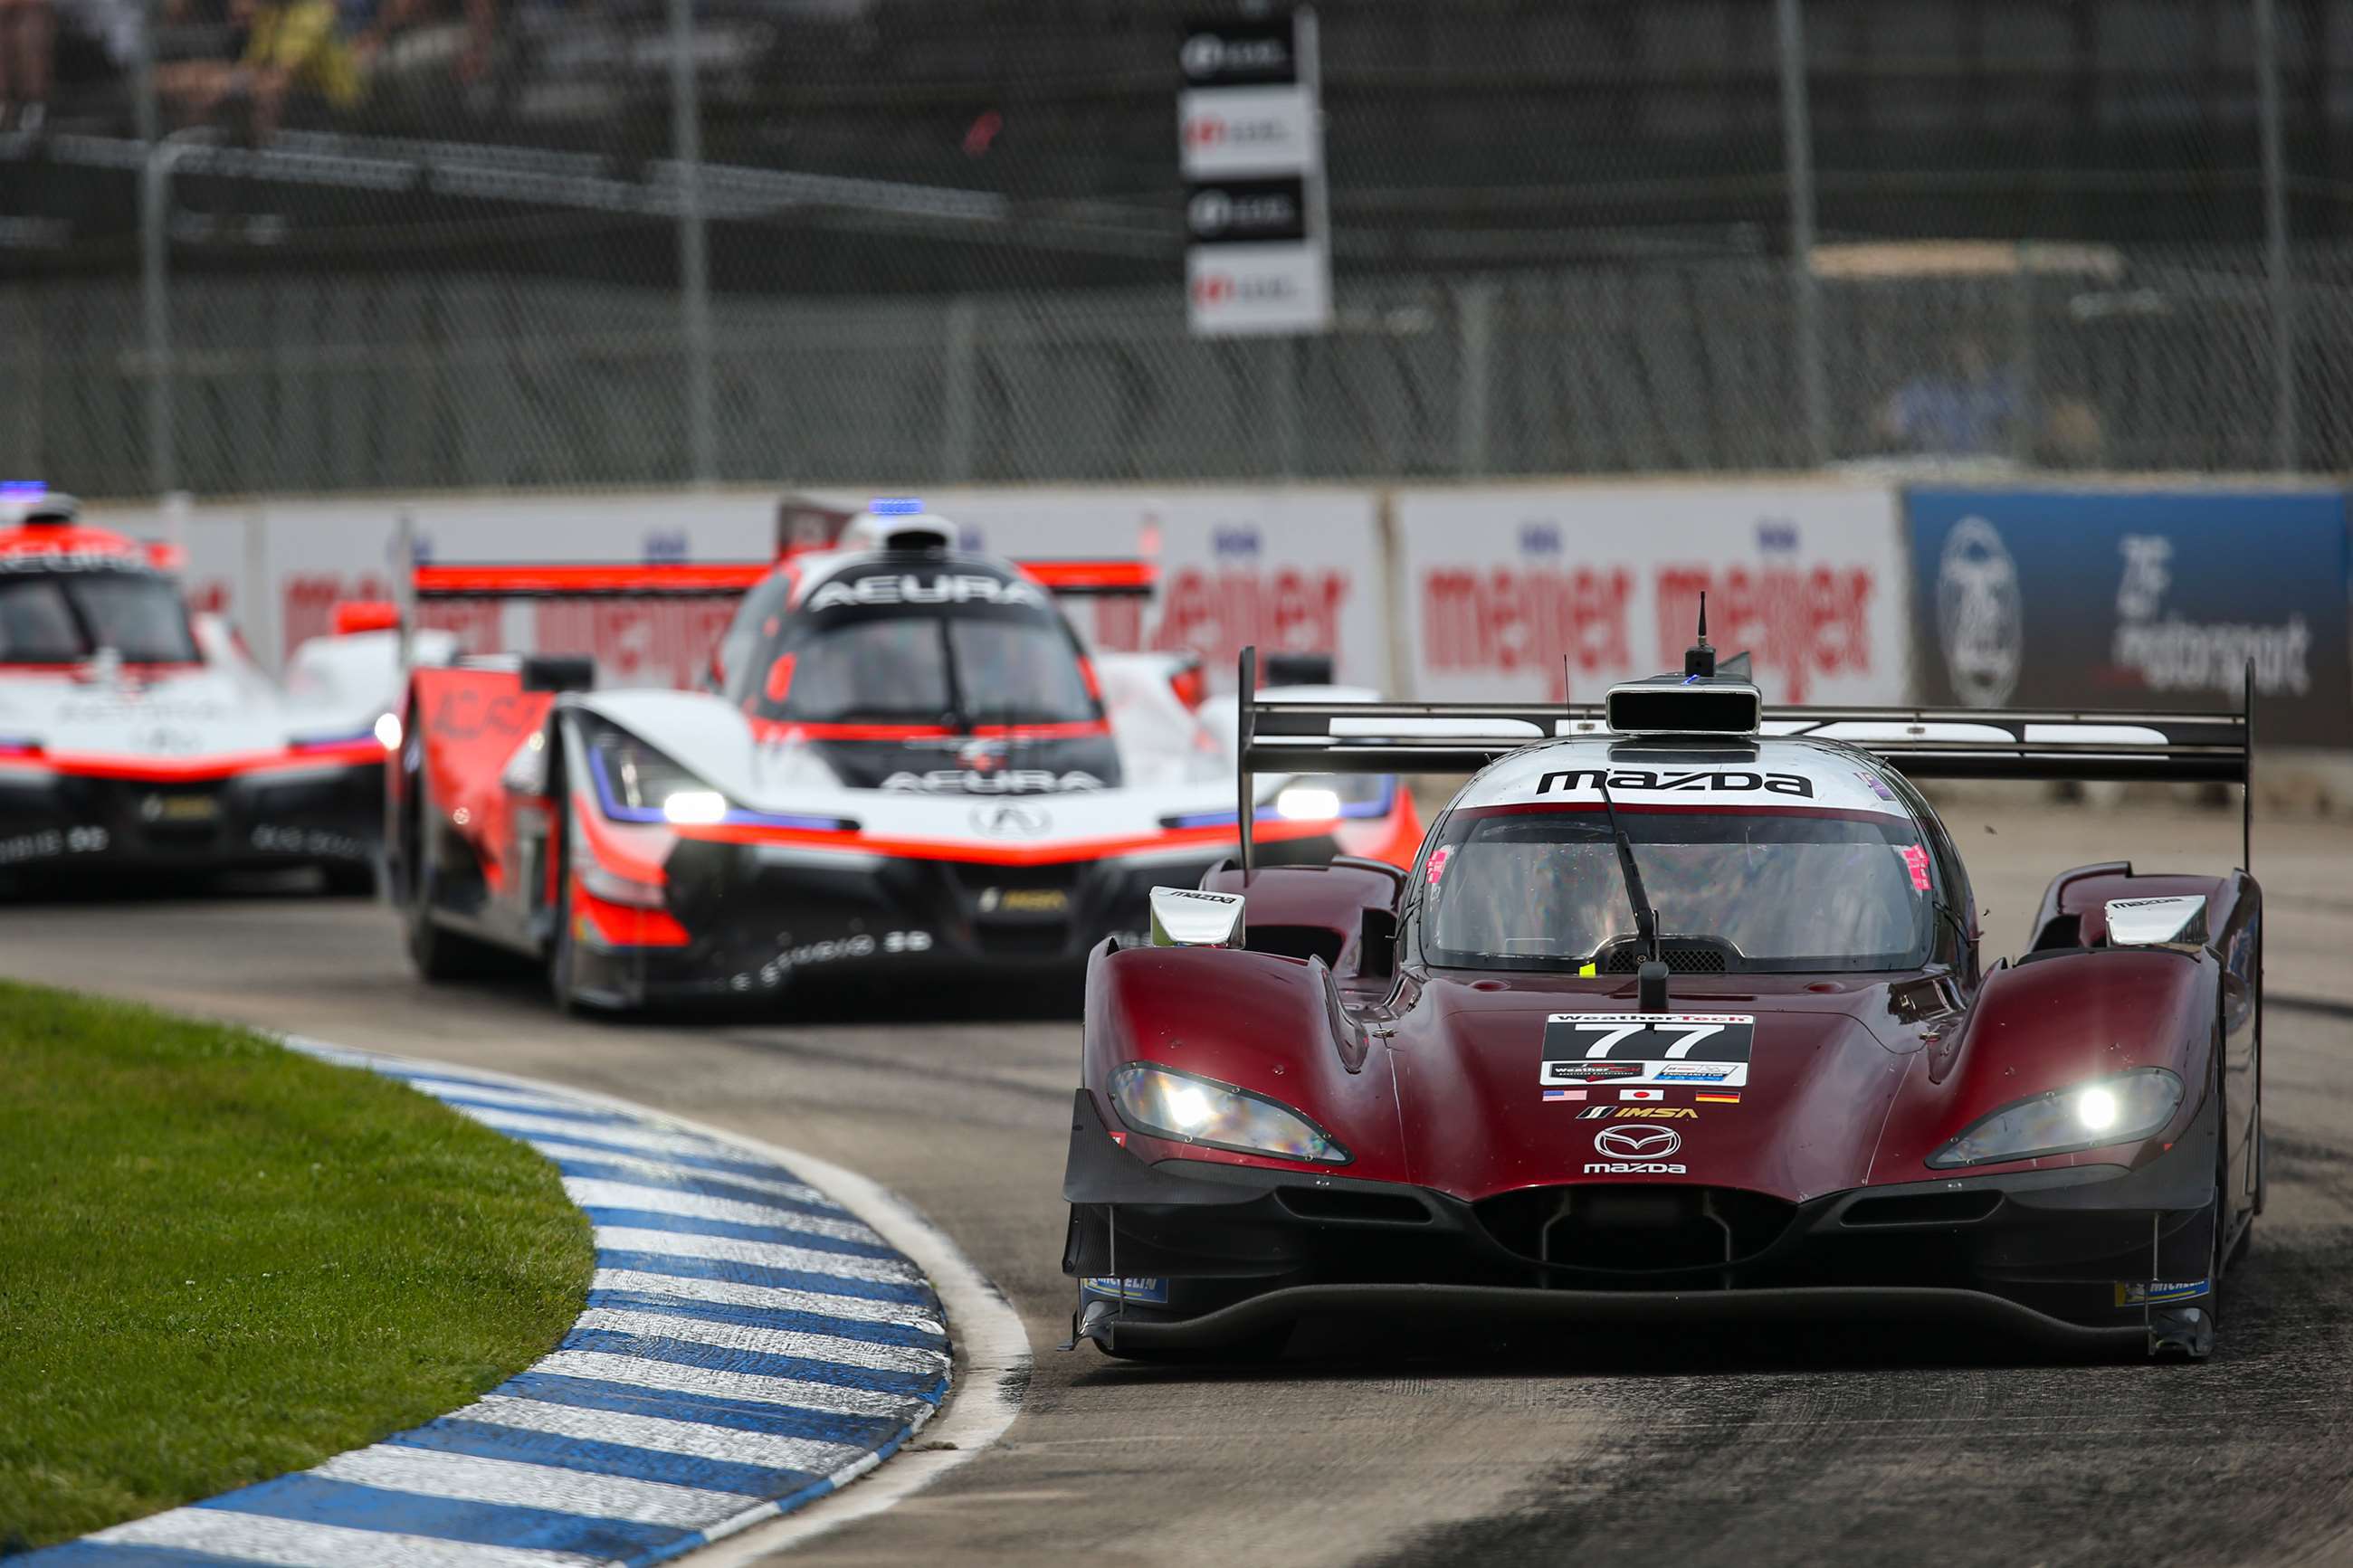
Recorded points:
1700,659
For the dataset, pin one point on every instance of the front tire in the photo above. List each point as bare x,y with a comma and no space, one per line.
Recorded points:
2187,1333
563,950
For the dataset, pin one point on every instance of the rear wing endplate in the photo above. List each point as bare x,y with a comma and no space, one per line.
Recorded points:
1919,743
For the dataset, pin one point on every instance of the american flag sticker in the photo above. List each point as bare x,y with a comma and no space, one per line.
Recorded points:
1642,1094
1564,1094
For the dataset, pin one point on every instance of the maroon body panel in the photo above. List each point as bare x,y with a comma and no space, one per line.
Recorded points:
1273,1026
2047,1024
1476,1123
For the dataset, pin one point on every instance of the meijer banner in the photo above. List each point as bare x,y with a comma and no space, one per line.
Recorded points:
2137,599
1296,569
1502,583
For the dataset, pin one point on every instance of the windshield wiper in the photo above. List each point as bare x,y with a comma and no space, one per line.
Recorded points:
1651,979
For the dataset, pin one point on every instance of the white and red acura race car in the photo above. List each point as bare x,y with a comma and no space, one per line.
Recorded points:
137,736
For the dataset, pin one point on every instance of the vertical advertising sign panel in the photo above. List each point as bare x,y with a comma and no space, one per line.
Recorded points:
1249,142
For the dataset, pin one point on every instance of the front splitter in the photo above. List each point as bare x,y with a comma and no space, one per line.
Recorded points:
1491,1304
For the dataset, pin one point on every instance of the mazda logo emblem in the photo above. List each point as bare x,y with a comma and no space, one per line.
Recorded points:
1638,1143
1009,821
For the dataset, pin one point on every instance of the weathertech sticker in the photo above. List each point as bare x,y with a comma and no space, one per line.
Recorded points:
1709,1049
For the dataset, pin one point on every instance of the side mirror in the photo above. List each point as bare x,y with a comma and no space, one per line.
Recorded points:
1299,669
558,672
1193,917
354,615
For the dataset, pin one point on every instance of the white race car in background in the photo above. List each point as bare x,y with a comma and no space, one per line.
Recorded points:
136,735
905,759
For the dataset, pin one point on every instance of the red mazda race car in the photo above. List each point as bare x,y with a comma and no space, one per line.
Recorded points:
1678,1016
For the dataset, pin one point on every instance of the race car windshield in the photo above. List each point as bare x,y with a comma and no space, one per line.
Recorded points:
1769,892
67,618
927,668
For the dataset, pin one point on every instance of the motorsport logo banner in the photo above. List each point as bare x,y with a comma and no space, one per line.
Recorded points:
2136,599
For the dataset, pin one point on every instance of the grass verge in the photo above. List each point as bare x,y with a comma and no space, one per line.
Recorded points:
220,1261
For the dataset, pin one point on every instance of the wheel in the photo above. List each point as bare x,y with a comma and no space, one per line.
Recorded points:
562,953
2187,1332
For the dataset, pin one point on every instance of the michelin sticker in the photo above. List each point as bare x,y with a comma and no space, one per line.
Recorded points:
1154,1292
2160,1292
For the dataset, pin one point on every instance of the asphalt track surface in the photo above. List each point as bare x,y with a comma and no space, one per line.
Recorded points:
1763,1447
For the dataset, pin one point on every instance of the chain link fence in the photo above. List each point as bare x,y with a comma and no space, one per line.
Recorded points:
288,246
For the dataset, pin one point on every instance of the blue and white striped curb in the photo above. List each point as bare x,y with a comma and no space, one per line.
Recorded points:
748,1346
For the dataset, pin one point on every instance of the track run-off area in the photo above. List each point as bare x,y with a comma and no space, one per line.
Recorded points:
1753,1446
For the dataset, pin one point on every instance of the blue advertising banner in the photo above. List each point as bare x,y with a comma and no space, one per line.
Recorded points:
2136,599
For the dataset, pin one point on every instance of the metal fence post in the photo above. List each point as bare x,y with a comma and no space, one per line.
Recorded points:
154,287
961,371
693,256
27,349
2283,285
1284,364
154,240
1475,308
2025,421
1798,151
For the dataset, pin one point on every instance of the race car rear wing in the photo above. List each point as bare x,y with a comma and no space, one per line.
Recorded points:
719,579
677,581
1921,743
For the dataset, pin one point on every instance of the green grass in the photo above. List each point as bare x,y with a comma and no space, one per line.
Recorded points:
220,1261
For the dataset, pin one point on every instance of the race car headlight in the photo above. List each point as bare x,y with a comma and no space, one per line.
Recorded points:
1188,1110
1305,800
694,806
2087,1116
636,782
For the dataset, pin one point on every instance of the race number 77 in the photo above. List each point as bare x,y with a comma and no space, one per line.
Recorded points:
1692,1034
